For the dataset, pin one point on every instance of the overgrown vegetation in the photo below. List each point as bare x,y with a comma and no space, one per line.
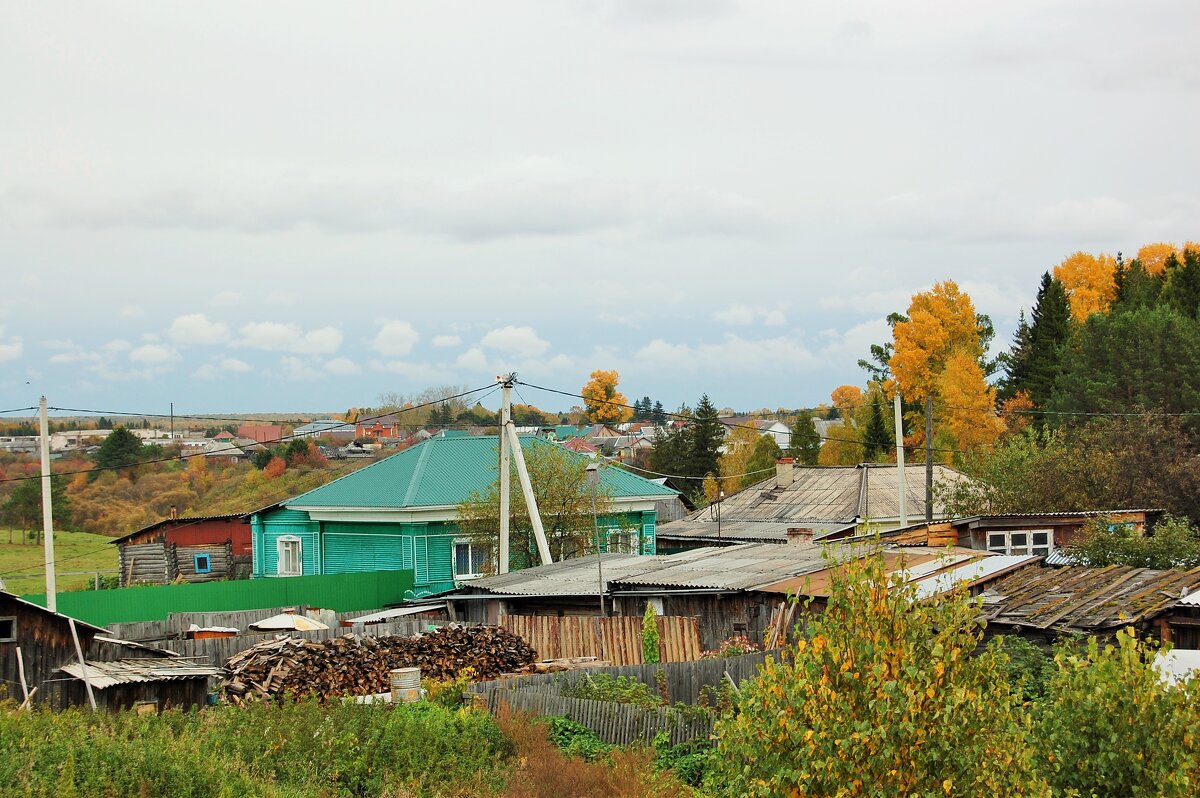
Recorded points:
650,636
605,687
888,693
1174,543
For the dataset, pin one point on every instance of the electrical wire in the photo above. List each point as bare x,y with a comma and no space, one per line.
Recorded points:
280,439
681,417
188,523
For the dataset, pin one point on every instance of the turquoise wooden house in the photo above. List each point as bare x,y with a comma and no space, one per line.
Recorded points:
399,514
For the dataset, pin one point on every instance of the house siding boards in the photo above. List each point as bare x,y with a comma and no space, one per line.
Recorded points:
165,551
400,512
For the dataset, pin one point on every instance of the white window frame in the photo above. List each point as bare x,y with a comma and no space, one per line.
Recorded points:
287,542
473,546
628,540
1020,541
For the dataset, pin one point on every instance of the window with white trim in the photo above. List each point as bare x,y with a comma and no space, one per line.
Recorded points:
625,541
291,556
1021,541
470,559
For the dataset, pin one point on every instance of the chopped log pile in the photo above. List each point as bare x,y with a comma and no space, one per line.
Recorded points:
355,665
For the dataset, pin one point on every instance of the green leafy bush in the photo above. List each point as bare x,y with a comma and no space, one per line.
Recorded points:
296,749
604,687
1026,665
1110,726
575,739
883,695
650,637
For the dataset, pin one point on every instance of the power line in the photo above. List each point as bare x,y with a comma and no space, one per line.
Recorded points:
280,439
189,522
18,410
685,418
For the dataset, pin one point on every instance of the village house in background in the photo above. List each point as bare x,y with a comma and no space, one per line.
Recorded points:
261,433
339,431
734,590
400,513
830,501
189,549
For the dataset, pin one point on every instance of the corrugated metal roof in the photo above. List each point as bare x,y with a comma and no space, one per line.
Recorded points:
1086,599
745,531
979,570
1191,599
128,671
575,577
742,567
191,519
834,493
443,472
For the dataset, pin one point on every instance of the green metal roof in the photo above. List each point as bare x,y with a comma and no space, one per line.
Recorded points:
443,472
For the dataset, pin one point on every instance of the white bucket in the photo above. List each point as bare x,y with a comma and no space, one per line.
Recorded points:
406,685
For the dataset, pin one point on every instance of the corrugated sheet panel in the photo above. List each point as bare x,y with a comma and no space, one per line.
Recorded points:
443,472
356,553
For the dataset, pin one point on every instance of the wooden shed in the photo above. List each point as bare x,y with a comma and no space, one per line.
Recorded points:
44,641
192,549
141,685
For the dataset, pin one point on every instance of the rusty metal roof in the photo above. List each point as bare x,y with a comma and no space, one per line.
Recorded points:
1079,598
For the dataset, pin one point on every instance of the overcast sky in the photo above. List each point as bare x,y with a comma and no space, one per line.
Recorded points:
286,206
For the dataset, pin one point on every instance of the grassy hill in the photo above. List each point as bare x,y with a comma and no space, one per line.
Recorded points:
79,556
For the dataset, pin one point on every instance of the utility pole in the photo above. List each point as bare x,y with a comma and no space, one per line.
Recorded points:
593,478
505,477
514,441
929,459
47,507
172,434
903,488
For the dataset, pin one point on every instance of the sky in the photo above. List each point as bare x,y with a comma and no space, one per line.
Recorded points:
252,207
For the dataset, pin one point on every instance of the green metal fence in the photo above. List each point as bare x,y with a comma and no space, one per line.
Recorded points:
340,592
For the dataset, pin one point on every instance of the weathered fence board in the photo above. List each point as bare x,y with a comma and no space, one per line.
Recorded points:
615,639
685,680
620,724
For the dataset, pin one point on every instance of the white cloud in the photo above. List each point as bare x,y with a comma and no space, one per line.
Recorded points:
281,298
10,350
446,340
395,338
153,355
274,336
745,315
227,299
473,359
733,354
117,345
296,368
222,367
342,366
196,328
518,341
132,312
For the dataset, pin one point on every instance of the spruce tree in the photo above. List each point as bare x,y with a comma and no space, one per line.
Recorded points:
1181,290
876,436
805,445
1136,288
1048,332
1016,361
658,415
120,448
705,434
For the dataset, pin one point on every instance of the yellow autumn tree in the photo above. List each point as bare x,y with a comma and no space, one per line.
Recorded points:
941,321
1153,257
968,403
842,446
1090,283
739,447
602,401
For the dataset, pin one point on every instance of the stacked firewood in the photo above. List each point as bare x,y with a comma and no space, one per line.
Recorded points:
354,665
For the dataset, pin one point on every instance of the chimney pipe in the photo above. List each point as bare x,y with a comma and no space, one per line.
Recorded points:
799,534
784,472
174,513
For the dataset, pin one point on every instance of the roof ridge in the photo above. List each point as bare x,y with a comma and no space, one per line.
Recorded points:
419,470
355,472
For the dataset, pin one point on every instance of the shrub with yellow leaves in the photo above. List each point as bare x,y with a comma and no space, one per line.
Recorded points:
882,696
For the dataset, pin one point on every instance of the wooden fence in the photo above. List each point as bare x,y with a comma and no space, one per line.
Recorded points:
685,680
616,639
620,724
617,723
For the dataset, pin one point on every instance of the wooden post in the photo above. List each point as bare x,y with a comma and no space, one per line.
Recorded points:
21,676
82,664
929,459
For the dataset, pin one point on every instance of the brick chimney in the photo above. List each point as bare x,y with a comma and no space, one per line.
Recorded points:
784,472
799,534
